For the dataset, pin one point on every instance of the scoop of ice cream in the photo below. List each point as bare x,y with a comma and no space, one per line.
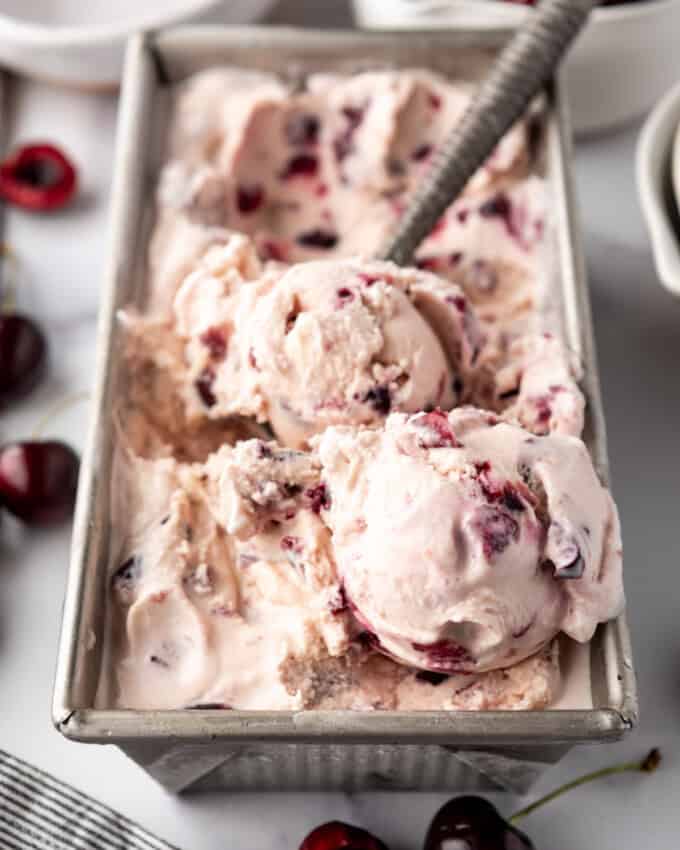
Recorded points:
347,342
467,544
323,343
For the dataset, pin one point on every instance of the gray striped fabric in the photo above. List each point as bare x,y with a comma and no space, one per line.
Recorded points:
37,812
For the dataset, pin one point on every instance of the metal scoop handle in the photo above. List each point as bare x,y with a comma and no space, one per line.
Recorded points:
524,66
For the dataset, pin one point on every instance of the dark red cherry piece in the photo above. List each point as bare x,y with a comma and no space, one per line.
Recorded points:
38,481
336,835
38,177
472,823
23,356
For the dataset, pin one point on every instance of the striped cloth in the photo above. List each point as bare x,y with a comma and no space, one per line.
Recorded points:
37,812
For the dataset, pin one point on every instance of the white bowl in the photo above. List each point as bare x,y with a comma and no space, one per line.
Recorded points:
658,177
623,62
82,42
618,67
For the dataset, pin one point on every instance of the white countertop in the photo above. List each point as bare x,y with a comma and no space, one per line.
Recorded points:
638,334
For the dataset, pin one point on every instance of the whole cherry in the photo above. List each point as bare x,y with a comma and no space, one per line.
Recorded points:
336,835
473,823
23,355
38,481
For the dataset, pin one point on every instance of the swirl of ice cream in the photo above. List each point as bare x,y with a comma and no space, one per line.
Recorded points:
322,343
221,576
465,543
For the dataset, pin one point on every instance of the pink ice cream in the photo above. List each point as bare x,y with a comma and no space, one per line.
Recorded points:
221,575
381,553
323,343
325,172
465,543
224,592
319,170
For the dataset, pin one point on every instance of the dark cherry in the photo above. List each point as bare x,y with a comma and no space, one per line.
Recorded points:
204,386
429,264
23,355
302,128
379,399
318,497
38,177
446,656
300,165
318,238
339,603
343,144
249,198
472,823
421,152
431,678
499,206
38,481
216,343
336,835
497,530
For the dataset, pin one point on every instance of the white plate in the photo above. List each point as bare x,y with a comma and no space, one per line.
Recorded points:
81,42
658,177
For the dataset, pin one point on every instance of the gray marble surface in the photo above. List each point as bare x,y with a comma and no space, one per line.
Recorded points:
638,334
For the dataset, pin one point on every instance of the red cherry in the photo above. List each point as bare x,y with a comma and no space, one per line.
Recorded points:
249,198
23,355
318,238
473,823
300,165
38,177
336,835
38,481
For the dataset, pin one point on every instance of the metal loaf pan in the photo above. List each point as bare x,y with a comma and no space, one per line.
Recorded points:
310,749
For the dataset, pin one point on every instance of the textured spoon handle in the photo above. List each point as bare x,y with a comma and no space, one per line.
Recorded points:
522,69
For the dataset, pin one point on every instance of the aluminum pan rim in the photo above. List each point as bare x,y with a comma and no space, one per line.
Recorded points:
447,727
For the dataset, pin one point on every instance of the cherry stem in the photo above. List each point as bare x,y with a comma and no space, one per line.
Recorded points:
8,295
648,765
63,404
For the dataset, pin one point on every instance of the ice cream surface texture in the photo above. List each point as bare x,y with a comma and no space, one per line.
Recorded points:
225,592
337,483
322,343
268,577
466,544
203,615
